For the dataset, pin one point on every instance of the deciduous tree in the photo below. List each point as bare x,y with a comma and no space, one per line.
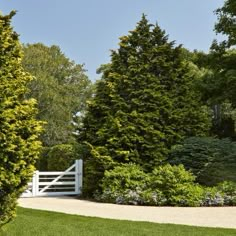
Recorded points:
61,88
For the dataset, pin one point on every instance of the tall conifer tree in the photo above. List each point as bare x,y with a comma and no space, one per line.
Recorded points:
19,131
144,104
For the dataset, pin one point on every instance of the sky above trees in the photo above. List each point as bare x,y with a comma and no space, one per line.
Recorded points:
87,30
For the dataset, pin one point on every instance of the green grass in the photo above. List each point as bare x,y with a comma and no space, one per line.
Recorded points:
44,223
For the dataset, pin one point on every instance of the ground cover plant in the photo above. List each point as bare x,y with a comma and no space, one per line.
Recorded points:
43,223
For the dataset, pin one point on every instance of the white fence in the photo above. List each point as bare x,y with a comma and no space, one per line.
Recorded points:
47,183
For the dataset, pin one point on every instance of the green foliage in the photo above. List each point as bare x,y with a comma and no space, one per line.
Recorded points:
224,60
229,192
177,185
225,120
219,85
19,131
60,157
144,104
61,89
42,161
119,184
128,184
213,197
127,176
226,24
166,185
211,160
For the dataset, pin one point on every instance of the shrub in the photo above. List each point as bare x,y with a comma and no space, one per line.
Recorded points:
42,161
228,189
166,185
153,197
60,157
211,160
212,197
177,185
123,184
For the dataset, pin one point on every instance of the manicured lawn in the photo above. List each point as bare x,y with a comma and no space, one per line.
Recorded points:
44,223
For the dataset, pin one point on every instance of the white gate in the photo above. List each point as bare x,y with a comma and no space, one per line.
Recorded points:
47,183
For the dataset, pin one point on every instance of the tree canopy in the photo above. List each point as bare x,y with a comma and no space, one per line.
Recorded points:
219,81
226,24
61,88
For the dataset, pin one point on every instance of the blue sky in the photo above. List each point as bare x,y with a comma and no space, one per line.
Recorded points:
87,30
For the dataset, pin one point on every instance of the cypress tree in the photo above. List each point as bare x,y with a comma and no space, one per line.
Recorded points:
19,131
144,104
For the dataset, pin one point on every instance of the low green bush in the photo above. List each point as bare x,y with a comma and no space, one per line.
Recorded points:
212,197
211,160
166,185
177,185
123,184
228,189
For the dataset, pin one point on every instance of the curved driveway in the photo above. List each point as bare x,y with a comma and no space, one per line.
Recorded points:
224,217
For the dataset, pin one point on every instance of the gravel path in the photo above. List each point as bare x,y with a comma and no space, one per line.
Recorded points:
224,217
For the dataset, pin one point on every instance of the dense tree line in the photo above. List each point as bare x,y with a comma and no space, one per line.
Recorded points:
158,103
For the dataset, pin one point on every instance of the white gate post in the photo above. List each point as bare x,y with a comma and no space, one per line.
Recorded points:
35,183
78,176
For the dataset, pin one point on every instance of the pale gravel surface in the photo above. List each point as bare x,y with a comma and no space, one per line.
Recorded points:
224,217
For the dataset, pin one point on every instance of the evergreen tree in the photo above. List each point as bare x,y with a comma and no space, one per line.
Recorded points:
19,131
144,104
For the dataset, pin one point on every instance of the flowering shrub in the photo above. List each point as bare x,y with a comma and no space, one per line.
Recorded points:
166,186
123,185
212,197
228,189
